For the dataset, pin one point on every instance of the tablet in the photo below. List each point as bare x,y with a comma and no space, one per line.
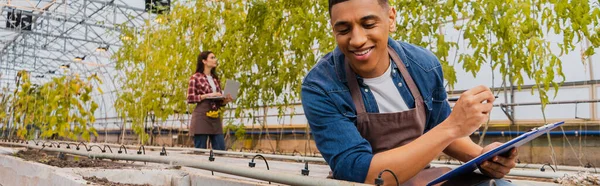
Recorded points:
231,87
504,148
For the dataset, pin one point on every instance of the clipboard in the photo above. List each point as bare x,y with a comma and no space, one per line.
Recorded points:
472,165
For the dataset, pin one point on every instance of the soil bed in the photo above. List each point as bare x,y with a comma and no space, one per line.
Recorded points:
104,181
80,162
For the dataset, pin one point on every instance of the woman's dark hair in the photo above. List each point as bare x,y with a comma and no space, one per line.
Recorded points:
200,66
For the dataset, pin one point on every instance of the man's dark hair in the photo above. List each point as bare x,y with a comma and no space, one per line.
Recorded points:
383,3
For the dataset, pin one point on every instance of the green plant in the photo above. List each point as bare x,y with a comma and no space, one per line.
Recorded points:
61,107
4,108
269,46
239,130
511,35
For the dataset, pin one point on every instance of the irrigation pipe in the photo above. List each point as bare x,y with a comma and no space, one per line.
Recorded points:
243,154
321,160
274,176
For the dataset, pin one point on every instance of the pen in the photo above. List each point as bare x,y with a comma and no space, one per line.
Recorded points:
456,99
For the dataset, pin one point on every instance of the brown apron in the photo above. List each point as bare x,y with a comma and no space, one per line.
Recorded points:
202,124
386,131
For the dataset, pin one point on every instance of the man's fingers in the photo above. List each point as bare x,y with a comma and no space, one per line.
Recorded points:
513,153
485,108
496,170
497,167
506,162
490,172
486,95
476,90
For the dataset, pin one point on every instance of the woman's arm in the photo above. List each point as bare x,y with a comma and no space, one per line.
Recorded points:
192,89
192,97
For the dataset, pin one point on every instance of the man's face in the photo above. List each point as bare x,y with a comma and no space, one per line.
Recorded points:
361,29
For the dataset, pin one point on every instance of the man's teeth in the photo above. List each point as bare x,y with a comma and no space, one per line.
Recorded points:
360,53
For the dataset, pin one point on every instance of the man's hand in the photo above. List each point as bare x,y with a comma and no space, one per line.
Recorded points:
498,166
471,110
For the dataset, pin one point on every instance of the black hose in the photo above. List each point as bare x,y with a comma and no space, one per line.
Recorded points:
542,169
589,165
81,143
163,152
141,150
252,164
379,180
122,147
90,149
108,148
58,146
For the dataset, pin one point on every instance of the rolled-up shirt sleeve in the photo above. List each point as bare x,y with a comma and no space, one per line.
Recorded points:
337,138
192,97
440,108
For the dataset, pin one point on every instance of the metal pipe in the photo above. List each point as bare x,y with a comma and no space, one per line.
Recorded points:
204,165
321,160
549,103
530,86
315,159
278,177
243,154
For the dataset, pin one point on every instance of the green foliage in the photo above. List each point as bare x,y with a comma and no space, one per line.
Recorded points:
61,107
509,34
240,130
266,45
4,106
270,45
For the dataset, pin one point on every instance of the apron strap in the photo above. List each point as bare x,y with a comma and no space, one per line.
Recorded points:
406,75
354,90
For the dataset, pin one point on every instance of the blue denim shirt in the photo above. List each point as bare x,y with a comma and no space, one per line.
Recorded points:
331,113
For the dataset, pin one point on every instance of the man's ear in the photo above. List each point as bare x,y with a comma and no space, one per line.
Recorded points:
392,18
332,30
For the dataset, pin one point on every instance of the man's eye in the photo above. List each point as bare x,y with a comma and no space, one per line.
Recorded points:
369,25
344,31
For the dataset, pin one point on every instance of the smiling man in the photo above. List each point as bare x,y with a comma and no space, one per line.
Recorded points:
374,104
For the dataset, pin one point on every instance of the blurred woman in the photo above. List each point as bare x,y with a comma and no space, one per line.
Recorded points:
204,90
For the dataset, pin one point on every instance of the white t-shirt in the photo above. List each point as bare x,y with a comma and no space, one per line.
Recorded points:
386,94
212,83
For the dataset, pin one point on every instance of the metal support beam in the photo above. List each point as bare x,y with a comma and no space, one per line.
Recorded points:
70,38
549,103
55,17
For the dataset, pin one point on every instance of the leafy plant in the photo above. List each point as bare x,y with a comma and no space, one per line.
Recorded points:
155,81
61,107
269,46
511,35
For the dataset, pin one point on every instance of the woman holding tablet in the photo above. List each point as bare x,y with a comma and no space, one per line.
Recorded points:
206,121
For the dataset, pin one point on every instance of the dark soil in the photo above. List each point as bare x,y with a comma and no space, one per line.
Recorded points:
81,162
104,181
